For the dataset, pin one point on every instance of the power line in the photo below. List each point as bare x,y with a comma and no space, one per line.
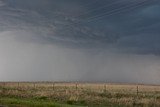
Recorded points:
103,7
110,13
119,10
100,8
106,6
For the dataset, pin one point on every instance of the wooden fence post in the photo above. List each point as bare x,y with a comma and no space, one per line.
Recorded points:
4,84
66,90
34,85
137,90
53,86
18,84
105,88
76,86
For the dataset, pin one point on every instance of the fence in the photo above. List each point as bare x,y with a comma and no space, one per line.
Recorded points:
95,87
92,92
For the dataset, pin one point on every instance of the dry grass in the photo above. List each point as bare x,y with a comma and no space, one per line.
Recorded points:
91,94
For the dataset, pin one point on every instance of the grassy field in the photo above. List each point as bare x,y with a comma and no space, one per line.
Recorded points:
48,94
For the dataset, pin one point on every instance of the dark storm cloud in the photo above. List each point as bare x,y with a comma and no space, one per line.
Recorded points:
83,40
118,19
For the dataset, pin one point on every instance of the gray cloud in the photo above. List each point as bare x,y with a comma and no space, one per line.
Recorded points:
49,40
2,3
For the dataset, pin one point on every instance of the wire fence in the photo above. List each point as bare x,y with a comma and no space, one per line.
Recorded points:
91,93
94,87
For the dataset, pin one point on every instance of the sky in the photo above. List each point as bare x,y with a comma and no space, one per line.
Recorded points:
80,40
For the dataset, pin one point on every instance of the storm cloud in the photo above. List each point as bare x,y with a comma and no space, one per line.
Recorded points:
80,40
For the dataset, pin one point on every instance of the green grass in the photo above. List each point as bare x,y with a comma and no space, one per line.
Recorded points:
17,102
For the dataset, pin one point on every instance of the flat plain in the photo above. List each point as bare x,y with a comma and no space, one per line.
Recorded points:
65,94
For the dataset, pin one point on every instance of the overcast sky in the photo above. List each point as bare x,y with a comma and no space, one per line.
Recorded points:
80,40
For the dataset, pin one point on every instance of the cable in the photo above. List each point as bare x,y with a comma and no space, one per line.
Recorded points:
109,12
117,11
77,18
96,9
112,12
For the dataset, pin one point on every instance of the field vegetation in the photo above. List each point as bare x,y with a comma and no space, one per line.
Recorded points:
49,94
